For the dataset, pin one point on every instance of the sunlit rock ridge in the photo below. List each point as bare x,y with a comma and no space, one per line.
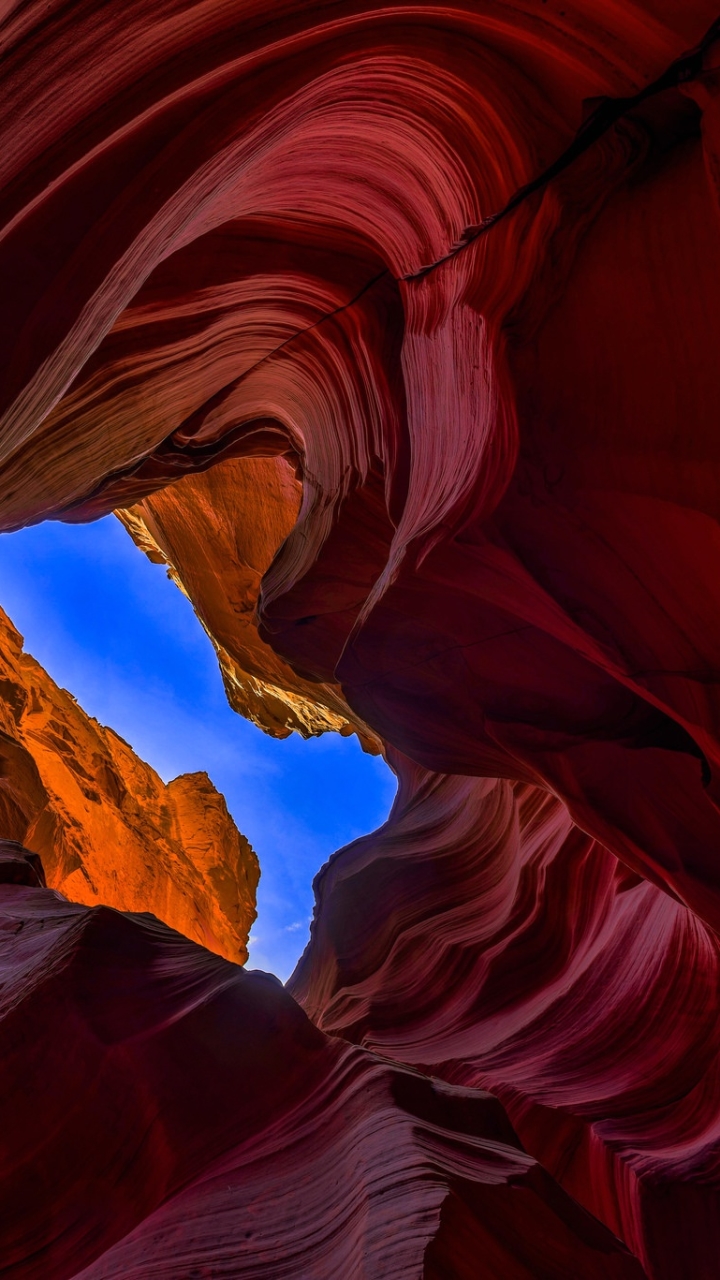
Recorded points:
106,827
393,331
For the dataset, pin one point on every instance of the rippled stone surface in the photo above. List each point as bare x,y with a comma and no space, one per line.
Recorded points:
250,1144
437,290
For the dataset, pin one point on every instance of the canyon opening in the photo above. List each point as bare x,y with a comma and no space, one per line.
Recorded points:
385,341
118,694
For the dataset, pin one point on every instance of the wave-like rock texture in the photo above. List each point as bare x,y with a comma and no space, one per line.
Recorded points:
106,826
455,272
482,937
258,1146
218,241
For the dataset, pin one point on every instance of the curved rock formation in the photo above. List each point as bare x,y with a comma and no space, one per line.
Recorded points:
305,1169
453,273
218,532
294,248
106,826
482,937
19,866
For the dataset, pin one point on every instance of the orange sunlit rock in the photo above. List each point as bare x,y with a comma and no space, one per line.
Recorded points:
106,826
218,532
455,271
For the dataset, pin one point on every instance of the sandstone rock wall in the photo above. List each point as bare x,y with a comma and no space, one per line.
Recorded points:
455,270
259,1146
218,532
107,828
481,936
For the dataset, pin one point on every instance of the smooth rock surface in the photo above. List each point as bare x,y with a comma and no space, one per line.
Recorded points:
181,1117
437,290
479,935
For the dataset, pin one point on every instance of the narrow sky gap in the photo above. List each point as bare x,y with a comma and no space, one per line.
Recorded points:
109,626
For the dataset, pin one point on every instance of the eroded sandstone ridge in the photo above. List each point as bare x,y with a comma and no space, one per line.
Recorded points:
436,290
217,533
106,826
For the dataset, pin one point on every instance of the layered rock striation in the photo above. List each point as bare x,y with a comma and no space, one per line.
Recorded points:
393,333
107,828
481,937
294,248
268,1149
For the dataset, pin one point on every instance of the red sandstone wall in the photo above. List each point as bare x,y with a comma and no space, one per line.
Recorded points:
459,269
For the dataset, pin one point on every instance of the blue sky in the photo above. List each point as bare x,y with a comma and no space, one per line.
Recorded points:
109,626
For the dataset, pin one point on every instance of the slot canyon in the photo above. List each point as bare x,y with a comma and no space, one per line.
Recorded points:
393,333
